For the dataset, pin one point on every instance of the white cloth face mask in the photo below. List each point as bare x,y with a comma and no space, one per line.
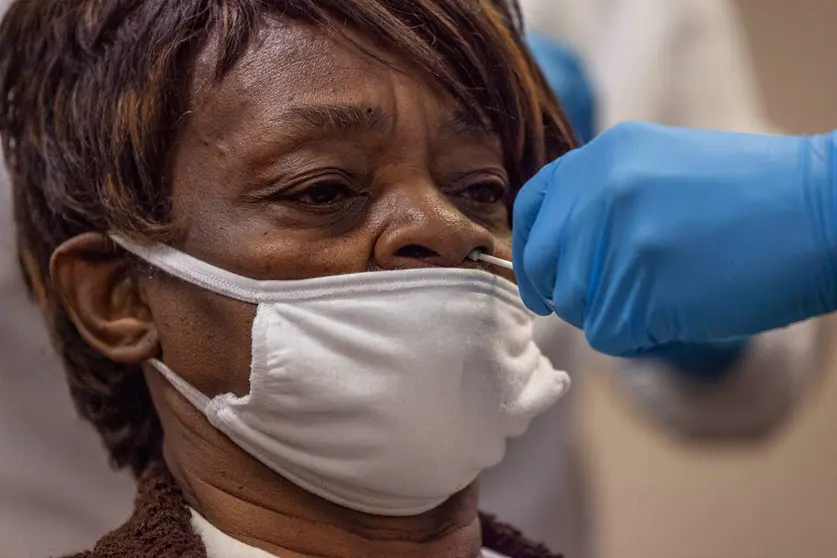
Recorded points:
384,392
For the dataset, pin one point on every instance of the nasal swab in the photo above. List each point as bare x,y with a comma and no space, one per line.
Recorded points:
477,256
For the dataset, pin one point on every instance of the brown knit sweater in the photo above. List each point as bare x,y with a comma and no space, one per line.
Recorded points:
160,527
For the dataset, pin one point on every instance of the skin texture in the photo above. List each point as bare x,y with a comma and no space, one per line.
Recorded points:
270,183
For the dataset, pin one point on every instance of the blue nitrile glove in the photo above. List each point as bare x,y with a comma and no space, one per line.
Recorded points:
650,236
568,79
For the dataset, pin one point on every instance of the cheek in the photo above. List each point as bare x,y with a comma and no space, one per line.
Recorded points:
502,249
503,246
205,338
260,244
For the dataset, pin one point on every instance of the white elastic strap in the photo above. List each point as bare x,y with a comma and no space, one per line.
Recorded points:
225,283
196,398
194,271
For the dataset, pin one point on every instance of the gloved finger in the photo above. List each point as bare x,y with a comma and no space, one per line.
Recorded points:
569,276
527,206
542,252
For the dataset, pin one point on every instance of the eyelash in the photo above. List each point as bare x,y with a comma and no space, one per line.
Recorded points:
333,186
499,187
337,191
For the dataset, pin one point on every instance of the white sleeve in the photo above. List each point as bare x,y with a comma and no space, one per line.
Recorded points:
688,66
716,86
569,22
688,63
750,401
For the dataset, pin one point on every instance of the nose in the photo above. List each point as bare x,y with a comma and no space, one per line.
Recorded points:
425,229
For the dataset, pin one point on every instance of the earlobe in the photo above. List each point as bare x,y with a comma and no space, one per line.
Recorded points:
103,298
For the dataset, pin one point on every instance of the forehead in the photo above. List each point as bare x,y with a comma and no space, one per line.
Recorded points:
289,64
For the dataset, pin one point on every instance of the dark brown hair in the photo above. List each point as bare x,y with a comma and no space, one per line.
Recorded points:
91,95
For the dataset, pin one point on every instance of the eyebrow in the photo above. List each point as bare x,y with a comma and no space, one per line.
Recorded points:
348,119
342,119
463,123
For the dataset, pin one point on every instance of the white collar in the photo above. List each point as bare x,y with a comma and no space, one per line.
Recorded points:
221,545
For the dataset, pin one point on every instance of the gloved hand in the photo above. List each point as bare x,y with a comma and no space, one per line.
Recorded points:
565,73
652,236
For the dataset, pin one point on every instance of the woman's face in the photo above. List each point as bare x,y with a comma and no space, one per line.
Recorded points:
312,158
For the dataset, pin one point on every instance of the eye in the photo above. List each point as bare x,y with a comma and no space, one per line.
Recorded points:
327,192
486,192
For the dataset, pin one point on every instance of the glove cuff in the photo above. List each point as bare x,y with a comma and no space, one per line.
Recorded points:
699,361
821,191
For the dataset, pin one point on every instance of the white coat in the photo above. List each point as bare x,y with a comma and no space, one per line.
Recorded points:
682,63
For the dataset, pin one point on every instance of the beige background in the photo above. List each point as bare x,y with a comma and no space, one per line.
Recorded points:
659,499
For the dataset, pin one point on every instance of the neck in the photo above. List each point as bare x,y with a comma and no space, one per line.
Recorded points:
244,499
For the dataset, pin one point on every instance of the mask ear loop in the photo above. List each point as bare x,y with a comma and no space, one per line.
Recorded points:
477,256
198,400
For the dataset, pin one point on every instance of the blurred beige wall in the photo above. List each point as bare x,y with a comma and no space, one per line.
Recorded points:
659,499
794,47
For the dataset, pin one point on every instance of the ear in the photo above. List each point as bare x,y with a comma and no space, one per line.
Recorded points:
104,299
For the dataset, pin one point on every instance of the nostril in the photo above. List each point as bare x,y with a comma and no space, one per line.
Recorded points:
416,252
